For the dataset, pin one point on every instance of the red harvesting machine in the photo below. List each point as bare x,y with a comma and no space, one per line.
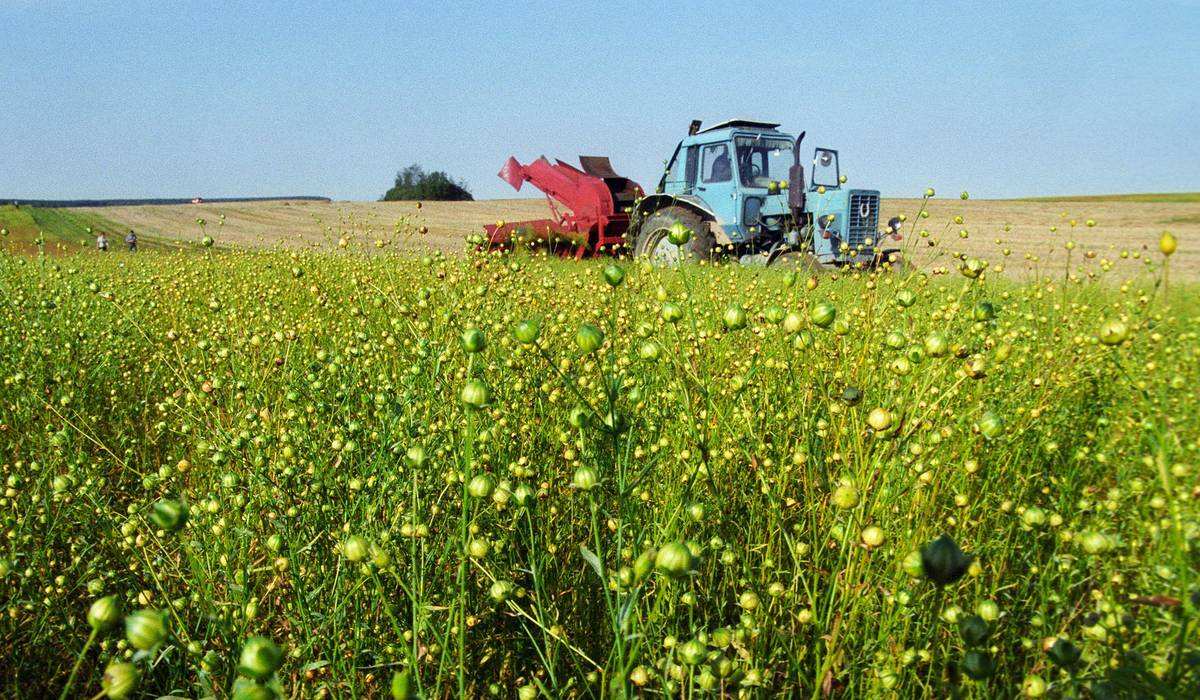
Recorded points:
597,199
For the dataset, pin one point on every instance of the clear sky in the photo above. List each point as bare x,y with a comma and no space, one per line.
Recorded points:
170,99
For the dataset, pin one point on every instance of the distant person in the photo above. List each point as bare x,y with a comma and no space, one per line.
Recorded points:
131,241
102,243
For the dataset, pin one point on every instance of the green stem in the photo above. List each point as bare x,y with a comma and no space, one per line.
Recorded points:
75,669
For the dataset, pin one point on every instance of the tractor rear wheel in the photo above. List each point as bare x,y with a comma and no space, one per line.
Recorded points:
652,241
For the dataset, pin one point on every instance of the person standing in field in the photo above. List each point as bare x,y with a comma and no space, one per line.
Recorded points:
131,241
102,243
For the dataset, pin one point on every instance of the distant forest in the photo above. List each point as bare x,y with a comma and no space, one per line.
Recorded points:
413,183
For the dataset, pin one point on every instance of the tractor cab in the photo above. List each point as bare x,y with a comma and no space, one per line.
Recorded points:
745,179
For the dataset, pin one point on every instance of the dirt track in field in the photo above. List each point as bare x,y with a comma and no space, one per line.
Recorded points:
1120,226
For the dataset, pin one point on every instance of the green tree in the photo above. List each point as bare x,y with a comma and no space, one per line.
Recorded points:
413,183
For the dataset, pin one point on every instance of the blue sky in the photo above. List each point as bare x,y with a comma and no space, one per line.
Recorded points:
101,99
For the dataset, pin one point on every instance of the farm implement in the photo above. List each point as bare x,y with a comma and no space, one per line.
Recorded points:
597,199
738,187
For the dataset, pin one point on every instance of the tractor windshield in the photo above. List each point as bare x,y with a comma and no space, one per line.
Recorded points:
761,160
825,171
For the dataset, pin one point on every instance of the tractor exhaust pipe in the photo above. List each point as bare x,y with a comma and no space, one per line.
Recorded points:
796,191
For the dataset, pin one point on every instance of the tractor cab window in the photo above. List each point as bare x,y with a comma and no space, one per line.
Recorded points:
715,165
825,168
762,160
675,171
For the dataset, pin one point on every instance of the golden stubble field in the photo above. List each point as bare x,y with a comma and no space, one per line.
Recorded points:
1025,228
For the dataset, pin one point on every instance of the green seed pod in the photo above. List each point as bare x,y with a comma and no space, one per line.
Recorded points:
748,601
974,630
475,394
402,686
895,340
823,314
793,322
1094,542
1167,244
905,298
936,345
585,479
774,314
872,536
501,591
1113,332
524,496
614,275
673,560
588,339
120,680
1033,517
1064,654
679,234
473,341
978,665
671,312
644,563
880,419
851,395
260,659
734,317
104,613
983,311
912,564
481,486
991,425
972,268
146,629
649,351
1033,686
845,496
692,652
168,515
252,691
578,417
988,610
356,548
943,561
207,241
415,456
527,331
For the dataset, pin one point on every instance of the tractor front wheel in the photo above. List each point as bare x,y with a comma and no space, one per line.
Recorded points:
653,241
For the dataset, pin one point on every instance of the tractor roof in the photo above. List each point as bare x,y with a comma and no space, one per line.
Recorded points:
740,123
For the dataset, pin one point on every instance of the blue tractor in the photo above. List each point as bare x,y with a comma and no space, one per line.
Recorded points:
740,187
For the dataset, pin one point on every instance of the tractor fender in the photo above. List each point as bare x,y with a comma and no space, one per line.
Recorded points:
654,202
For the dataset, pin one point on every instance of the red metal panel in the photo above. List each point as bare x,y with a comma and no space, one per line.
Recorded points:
593,221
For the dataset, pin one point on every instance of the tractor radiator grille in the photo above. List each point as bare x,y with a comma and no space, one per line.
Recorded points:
864,217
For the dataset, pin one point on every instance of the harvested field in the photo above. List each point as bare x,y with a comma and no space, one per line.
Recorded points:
1121,225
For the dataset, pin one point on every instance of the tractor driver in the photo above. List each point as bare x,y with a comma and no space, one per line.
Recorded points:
721,171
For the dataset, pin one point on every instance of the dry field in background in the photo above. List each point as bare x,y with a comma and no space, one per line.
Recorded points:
1120,225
